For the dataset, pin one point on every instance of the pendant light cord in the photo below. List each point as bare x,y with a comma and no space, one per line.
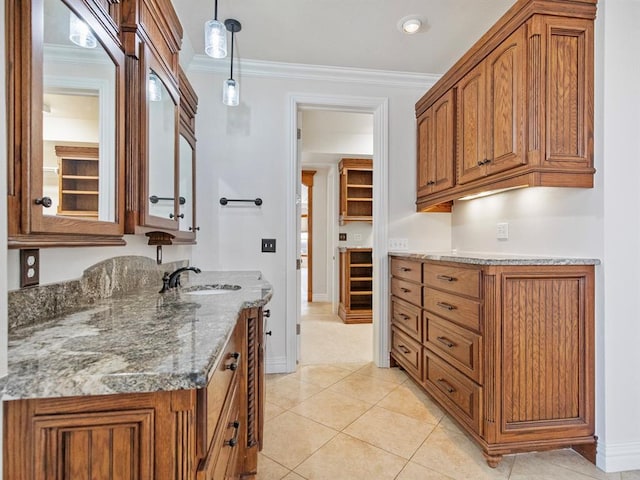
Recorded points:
215,10
233,34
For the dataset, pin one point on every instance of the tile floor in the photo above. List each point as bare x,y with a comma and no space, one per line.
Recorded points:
351,421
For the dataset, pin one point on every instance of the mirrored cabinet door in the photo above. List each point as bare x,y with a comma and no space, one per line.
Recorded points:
160,201
186,186
66,107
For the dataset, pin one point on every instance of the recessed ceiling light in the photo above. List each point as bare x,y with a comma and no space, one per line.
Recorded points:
411,25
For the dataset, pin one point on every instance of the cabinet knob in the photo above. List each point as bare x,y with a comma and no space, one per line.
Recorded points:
233,441
194,229
46,202
171,215
268,333
267,313
430,182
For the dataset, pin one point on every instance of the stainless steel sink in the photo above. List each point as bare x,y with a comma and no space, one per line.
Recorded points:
211,289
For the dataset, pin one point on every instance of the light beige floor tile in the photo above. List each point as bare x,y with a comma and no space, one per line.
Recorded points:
270,470
276,377
412,402
532,466
347,458
394,375
450,424
572,460
271,410
352,366
413,471
631,475
290,438
289,392
321,375
368,389
293,476
391,431
332,409
456,455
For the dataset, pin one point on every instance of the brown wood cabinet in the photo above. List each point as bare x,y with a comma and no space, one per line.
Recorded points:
524,107
356,190
78,181
506,350
213,433
356,285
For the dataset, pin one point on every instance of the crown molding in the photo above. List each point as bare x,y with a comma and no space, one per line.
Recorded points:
260,68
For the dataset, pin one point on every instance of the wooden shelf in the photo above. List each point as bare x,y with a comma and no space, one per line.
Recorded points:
356,190
78,181
356,282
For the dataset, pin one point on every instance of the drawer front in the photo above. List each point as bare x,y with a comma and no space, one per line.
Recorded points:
407,352
407,317
463,311
458,346
458,393
407,269
463,281
221,459
219,385
408,291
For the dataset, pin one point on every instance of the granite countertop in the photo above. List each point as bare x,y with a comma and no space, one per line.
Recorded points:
142,341
495,259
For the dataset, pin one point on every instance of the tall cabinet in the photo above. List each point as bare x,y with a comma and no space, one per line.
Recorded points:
356,285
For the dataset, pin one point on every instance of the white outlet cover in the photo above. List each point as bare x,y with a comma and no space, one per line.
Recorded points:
502,231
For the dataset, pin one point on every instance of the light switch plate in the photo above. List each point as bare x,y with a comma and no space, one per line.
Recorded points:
29,267
269,245
398,244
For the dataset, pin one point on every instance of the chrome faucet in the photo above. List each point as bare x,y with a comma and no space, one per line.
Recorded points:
172,280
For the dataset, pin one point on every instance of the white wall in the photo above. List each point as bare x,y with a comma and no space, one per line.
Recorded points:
602,222
244,152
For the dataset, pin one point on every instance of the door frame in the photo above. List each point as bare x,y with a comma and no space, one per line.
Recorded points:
379,107
307,181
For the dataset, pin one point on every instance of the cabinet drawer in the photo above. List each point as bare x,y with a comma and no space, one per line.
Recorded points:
221,459
408,291
464,281
407,317
407,269
458,393
407,352
463,311
458,346
218,389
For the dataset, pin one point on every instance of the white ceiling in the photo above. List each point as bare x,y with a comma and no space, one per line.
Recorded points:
348,33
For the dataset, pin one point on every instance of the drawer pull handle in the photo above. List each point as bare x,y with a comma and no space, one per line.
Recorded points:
404,349
405,290
404,316
234,365
233,441
446,341
446,278
446,306
405,269
447,386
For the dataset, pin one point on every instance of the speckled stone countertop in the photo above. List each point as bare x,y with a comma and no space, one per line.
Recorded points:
142,341
495,259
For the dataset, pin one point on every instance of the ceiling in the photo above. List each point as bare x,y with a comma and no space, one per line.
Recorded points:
348,33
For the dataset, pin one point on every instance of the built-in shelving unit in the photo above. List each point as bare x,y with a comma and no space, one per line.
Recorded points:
79,179
356,190
356,285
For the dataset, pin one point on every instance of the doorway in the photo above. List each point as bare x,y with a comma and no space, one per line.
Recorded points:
377,107
306,235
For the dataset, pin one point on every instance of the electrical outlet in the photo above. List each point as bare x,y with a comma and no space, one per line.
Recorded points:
502,231
29,267
397,244
357,237
269,245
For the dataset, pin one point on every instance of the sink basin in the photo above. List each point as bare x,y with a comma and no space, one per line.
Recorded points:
212,289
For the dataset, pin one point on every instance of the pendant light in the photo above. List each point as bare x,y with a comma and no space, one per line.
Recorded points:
231,88
80,33
215,36
154,87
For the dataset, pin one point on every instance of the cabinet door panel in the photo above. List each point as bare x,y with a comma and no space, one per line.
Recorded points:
425,151
471,150
506,104
444,138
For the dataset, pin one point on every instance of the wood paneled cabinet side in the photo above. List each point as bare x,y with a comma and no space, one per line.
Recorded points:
436,142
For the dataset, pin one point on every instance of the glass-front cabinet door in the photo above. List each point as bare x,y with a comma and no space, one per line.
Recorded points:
66,107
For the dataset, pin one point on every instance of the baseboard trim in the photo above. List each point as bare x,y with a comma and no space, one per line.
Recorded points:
618,457
320,297
276,365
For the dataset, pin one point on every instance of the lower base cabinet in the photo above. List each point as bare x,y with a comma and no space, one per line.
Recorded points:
213,433
506,350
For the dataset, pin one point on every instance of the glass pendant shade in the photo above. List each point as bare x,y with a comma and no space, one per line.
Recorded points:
80,33
231,93
154,88
215,39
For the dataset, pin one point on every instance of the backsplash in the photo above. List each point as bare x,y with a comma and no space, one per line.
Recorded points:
112,277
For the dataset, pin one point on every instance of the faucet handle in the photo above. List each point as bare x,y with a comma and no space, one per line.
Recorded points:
165,282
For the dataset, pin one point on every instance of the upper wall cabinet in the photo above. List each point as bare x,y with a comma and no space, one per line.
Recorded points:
523,108
65,102
152,35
